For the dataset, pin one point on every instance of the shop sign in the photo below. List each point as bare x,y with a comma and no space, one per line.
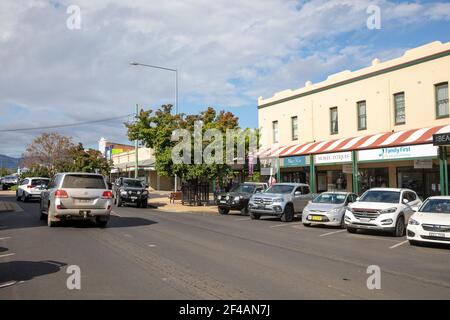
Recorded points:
347,168
404,152
441,139
296,161
336,157
423,164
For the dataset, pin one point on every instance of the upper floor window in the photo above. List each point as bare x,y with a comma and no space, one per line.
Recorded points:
362,116
399,108
294,126
275,131
442,100
334,120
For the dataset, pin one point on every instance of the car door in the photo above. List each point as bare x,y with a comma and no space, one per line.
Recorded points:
22,187
46,194
297,199
414,201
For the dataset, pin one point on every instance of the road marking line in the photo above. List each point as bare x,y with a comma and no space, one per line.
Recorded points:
116,214
7,255
286,225
242,219
398,244
8,284
152,245
5,238
334,232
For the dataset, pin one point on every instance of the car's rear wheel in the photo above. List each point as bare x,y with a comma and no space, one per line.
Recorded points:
50,222
288,214
223,210
351,230
399,230
254,216
343,222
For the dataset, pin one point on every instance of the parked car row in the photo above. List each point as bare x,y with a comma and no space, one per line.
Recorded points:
397,211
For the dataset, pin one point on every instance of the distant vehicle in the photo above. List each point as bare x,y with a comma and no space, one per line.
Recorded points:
9,181
31,188
328,209
281,200
127,190
431,223
382,209
76,196
238,197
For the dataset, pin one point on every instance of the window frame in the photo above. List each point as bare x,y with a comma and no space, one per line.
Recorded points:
273,132
358,115
331,120
436,105
395,108
294,138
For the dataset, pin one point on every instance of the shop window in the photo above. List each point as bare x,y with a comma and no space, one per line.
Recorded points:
332,180
373,178
294,128
334,120
425,182
275,131
399,108
362,118
442,100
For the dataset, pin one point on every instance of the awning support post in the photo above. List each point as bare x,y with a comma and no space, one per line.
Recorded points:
443,172
355,181
312,174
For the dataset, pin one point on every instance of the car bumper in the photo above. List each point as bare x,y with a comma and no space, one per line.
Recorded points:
416,233
326,218
269,210
81,213
385,222
133,199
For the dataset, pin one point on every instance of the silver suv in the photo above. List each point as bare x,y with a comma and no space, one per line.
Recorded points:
282,200
76,196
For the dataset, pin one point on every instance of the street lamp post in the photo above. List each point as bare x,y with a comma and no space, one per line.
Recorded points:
176,89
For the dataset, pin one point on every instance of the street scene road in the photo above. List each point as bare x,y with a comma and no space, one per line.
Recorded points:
153,254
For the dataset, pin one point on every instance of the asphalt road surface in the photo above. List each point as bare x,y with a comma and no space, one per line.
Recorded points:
146,254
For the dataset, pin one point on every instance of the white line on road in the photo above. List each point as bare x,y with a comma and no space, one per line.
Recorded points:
152,245
116,214
334,232
8,284
242,219
7,255
5,238
398,244
286,225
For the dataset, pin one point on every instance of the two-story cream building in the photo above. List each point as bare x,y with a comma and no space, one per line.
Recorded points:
366,128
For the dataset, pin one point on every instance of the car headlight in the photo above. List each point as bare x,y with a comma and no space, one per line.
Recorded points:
388,210
123,193
237,198
413,222
138,192
278,200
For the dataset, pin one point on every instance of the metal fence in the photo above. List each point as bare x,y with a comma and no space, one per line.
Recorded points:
195,193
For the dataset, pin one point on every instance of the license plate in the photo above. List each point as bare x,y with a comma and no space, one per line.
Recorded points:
316,218
437,234
83,201
133,198
223,201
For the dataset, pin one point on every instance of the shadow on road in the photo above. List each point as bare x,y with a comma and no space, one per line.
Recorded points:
114,222
26,270
2,249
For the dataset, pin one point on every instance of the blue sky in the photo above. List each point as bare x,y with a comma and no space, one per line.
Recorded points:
228,53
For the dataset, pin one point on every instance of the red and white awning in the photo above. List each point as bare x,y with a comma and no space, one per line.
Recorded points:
373,141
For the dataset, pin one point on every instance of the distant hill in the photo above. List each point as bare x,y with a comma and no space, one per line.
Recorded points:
8,162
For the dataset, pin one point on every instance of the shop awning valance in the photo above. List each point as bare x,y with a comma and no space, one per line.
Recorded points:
372,141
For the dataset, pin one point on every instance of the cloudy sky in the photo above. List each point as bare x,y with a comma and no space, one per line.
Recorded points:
228,53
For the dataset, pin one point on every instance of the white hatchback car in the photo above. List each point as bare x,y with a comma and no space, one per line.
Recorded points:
382,209
31,188
431,223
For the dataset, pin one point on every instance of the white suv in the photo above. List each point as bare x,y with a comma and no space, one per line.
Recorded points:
383,209
31,188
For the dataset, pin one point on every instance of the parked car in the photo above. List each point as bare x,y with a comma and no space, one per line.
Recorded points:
31,188
383,209
127,190
281,200
328,208
76,196
9,181
238,197
431,223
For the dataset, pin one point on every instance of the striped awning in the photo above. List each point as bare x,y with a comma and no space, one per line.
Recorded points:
372,141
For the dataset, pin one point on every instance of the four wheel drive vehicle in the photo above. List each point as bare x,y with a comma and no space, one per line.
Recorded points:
127,190
383,209
76,196
9,181
281,200
431,223
31,188
238,197
328,209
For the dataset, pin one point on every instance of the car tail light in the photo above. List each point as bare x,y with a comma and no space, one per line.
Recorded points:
61,194
29,186
107,195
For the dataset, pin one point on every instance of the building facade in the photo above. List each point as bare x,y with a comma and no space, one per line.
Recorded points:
368,128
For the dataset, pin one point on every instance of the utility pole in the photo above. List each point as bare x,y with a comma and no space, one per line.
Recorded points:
136,146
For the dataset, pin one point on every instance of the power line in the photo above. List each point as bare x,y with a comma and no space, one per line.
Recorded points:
67,124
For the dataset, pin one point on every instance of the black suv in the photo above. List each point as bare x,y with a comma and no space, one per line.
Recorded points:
238,197
127,190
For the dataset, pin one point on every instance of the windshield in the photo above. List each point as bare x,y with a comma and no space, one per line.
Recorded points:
132,183
334,198
436,206
280,188
381,196
81,181
39,182
244,188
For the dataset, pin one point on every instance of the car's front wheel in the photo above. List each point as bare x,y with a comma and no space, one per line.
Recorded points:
288,214
17,196
244,211
414,243
351,230
399,230
144,203
223,210
254,216
119,201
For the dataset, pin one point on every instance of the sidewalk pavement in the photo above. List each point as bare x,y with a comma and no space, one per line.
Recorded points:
160,199
6,206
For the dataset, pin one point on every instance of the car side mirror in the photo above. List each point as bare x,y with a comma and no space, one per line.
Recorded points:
415,208
405,201
310,201
297,193
357,198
